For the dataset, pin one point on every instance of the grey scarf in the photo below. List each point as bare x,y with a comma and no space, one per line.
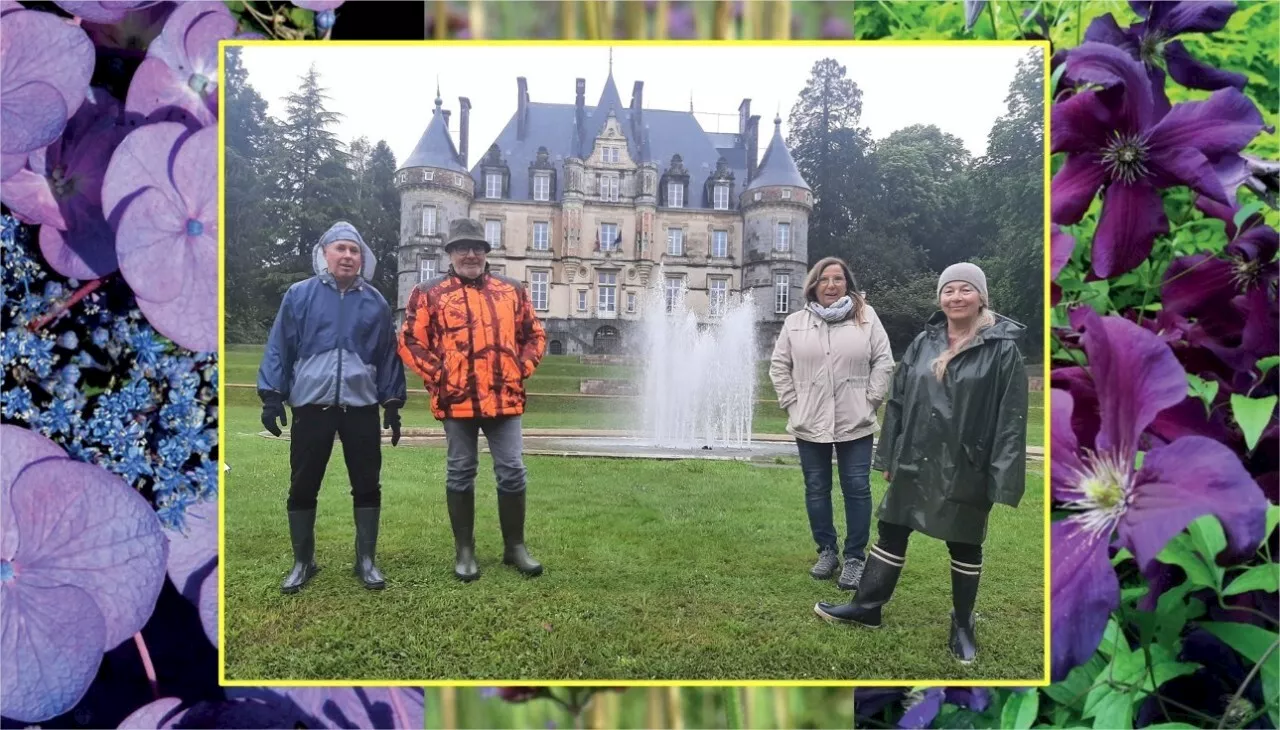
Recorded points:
836,312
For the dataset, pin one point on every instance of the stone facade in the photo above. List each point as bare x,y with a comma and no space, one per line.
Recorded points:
588,230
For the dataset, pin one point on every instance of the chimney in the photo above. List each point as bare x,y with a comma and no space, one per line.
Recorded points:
753,146
464,104
579,113
522,107
744,113
637,111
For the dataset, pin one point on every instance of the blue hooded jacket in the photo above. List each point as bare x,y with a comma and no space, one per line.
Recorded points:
333,348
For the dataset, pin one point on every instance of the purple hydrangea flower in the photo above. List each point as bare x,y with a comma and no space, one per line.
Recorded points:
178,81
103,11
62,191
1116,141
82,560
318,6
161,192
45,66
1136,376
1150,41
193,562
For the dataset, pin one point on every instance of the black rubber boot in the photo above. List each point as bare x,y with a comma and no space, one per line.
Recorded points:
302,533
511,517
874,590
462,516
367,547
964,593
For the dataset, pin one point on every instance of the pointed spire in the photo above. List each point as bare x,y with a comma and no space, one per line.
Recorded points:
778,166
439,101
436,148
610,60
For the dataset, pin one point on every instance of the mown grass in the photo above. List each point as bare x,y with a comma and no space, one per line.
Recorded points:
655,570
560,374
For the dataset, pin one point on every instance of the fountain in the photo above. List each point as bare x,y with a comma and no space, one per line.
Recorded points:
699,381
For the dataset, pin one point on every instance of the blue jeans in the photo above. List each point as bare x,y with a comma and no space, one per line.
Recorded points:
854,460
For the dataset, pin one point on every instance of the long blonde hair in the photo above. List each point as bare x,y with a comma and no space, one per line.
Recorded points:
986,318
850,285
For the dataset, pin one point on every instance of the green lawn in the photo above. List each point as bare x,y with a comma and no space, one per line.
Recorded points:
655,570
560,374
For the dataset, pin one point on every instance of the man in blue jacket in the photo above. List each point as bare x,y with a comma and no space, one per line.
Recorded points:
332,357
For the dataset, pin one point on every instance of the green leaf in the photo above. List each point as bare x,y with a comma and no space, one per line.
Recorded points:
1205,390
1208,538
1243,214
1273,518
1070,692
1266,363
1179,552
1171,726
1021,710
1258,578
1252,414
1253,643
1122,555
1057,76
1114,711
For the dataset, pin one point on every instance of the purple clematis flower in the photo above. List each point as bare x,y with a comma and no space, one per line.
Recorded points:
1115,141
923,707
1136,377
1149,41
1198,285
319,6
112,11
1061,246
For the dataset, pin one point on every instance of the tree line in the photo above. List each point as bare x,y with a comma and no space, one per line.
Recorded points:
903,208
898,209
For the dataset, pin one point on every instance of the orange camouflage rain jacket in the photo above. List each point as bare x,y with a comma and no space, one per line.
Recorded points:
474,342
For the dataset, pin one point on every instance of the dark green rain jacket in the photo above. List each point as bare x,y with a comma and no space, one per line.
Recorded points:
954,448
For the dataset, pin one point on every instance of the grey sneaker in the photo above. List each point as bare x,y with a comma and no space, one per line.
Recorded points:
828,563
851,576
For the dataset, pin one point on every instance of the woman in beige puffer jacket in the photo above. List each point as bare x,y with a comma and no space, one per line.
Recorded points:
831,368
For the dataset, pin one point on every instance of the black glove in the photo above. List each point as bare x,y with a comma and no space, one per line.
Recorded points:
272,409
391,420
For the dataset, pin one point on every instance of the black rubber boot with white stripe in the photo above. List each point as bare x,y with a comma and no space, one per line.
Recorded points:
964,593
874,590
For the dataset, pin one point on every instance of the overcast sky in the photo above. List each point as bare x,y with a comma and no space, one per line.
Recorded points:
387,92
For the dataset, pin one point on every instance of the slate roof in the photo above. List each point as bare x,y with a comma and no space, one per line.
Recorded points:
777,167
665,133
435,147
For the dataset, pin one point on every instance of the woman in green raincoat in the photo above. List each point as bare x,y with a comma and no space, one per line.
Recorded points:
953,444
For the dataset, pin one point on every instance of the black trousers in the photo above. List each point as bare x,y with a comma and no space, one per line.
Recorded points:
311,444
893,539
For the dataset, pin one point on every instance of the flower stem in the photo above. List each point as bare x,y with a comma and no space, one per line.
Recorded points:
732,708
991,12
442,20
58,309
147,666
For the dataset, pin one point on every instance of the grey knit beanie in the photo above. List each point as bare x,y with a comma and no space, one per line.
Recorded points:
969,274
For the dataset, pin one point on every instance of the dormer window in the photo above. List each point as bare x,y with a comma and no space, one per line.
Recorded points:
542,186
675,195
493,185
611,154
721,197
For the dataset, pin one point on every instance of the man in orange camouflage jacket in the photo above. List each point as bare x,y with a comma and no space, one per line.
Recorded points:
474,338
